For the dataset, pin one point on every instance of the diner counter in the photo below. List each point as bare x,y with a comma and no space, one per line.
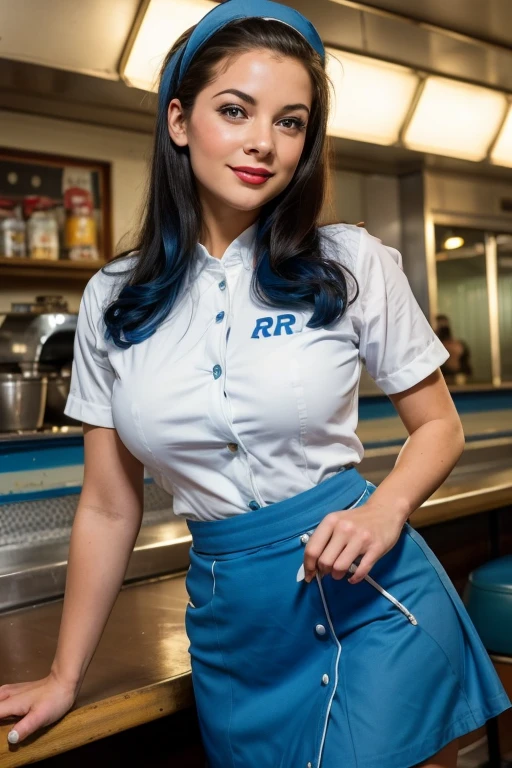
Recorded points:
141,669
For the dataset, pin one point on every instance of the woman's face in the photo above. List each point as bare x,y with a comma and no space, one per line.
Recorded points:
263,126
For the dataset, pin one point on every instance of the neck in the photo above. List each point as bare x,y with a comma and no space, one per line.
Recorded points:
219,229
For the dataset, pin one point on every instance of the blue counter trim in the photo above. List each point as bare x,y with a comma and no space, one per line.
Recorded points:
50,493
41,453
397,441
381,407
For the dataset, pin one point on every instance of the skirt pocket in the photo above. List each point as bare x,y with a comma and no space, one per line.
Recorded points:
200,581
369,490
387,595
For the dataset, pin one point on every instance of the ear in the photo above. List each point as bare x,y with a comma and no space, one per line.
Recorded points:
176,123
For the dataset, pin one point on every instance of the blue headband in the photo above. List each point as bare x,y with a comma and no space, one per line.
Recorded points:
222,14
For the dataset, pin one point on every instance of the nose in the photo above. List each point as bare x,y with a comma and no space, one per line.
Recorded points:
260,138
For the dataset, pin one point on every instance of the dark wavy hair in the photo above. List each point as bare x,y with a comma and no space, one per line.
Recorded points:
291,269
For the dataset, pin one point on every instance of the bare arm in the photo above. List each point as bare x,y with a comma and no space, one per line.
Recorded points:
434,445
105,528
104,532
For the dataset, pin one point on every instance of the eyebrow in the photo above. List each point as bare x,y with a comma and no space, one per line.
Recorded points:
253,102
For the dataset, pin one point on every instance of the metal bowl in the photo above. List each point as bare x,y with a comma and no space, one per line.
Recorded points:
58,391
22,400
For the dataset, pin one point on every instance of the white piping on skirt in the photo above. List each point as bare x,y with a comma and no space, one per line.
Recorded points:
352,569
335,638
326,609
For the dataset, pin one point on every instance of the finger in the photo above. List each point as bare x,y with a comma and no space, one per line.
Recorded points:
352,552
317,544
364,567
16,687
336,545
11,689
345,531
25,727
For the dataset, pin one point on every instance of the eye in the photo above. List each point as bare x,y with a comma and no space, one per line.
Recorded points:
230,108
296,122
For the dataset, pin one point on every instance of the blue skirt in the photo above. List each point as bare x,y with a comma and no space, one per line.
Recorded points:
286,674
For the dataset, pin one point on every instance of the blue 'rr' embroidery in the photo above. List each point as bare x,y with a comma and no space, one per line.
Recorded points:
264,324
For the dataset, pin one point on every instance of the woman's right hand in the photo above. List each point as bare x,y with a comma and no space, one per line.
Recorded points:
38,702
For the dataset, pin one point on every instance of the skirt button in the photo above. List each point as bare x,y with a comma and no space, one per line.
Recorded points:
325,679
304,538
320,629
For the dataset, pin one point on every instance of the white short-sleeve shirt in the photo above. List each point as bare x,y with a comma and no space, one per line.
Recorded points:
232,405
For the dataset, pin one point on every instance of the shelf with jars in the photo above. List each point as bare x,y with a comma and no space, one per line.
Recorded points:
54,216
49,270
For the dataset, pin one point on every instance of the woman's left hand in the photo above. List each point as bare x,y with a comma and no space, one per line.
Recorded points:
341,537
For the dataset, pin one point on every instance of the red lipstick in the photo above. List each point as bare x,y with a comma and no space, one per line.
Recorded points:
252,175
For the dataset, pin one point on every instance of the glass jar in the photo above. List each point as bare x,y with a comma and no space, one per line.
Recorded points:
80,234
43,234
12,232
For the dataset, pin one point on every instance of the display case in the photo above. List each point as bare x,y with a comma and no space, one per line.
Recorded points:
55,216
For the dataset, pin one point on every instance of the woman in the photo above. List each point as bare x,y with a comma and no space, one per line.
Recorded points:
224,355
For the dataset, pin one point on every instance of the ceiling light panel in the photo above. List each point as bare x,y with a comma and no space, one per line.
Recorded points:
455,119
502,152
371,98
161,26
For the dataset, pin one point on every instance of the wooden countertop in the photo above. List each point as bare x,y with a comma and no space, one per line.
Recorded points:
140,671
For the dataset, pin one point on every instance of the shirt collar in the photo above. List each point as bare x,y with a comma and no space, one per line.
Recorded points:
241,249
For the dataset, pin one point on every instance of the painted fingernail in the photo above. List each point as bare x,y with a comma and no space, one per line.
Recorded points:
300,573
13,737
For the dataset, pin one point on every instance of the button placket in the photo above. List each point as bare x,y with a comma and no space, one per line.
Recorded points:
225,404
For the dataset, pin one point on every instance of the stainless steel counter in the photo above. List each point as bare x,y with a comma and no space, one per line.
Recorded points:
481,481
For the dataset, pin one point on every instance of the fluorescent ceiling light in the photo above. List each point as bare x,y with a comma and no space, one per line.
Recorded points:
502,152
371,98
455,119
163,22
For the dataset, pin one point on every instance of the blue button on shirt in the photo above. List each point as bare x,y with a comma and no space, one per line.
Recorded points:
217,370
219,317
222,284
253,504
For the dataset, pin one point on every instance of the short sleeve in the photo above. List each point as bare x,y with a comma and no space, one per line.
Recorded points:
397,344
92,376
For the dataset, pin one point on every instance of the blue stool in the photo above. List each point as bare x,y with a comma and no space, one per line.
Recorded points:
488,600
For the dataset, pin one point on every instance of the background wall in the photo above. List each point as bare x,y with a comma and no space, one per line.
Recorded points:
127,151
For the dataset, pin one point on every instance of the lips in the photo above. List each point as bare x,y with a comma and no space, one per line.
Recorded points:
253,176
252,171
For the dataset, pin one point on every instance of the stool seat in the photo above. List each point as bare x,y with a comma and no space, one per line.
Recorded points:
488,600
